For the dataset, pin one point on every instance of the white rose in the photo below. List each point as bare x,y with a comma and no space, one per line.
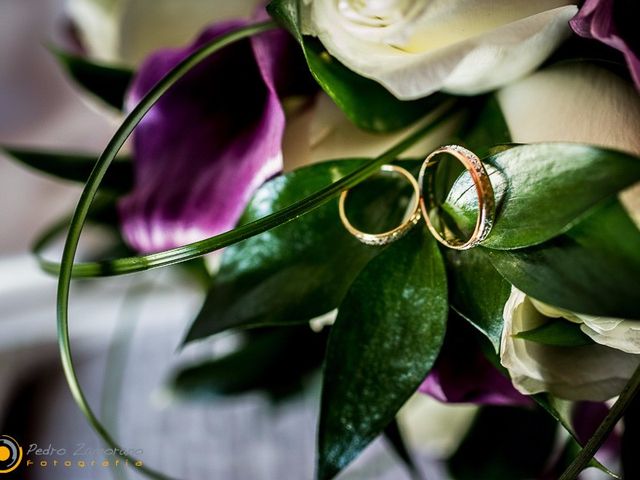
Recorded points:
591,372
586,104
126,31
417,47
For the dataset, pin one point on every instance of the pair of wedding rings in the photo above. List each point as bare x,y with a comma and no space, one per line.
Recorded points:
425,203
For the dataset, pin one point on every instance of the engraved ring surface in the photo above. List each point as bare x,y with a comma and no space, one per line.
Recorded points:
390,236
484,189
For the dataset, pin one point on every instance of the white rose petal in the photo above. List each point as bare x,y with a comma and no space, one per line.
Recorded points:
612,332
591,372
415,48
574,102
621,334
435,428
317,324
126,31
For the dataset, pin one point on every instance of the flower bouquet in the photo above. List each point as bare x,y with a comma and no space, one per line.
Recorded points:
418,198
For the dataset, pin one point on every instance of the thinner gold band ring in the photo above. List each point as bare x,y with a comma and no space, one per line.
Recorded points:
484,189
390,236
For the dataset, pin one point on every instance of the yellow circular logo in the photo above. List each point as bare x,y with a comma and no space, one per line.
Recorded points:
10,454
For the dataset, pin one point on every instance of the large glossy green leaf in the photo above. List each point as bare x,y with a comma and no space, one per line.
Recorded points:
75,167
505,443
303,269
275,361
388,333
107,82
543,190
365,102
593,268
477,291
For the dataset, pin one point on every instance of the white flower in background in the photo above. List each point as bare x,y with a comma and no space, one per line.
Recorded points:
317,324
433,428
126,31
321,131
417,47
577,103
572,103
591,372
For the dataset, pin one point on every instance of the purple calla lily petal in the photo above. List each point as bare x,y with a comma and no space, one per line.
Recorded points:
205,147
605,21
586,418
475,382
462,373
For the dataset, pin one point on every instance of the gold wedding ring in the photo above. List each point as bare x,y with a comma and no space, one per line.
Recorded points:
486,197
392,235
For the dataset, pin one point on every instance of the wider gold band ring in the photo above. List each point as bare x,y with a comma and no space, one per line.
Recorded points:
391,235
484,189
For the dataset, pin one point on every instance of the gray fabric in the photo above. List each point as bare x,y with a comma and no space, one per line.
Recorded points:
245,437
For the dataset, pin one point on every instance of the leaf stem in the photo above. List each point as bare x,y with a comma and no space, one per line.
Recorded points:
604,430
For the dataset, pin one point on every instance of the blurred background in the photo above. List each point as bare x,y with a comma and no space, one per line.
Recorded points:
125,331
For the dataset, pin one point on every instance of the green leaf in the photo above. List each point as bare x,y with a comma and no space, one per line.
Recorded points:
477,291
275,361
365,102
594,268
75,167
287,14
388,333
107,82
505,443
543,190
559,333
300,270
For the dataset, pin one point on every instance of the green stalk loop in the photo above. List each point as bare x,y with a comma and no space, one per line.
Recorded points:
66,270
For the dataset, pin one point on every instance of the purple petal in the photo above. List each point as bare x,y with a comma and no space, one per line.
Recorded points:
462,374
597,20
586,418
206,146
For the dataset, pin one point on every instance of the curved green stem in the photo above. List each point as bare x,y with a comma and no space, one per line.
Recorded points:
579,463
67,269
84,205
184,253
